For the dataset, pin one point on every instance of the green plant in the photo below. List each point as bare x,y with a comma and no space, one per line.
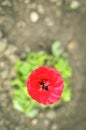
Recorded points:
21,100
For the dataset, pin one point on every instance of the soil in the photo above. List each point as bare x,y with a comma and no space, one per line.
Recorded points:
32,25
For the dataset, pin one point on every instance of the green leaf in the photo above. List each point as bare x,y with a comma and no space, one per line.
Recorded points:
32,113
66,96
56,48
16,82
17,105
25,68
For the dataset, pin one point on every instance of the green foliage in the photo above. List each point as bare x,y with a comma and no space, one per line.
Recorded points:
56,50
21,100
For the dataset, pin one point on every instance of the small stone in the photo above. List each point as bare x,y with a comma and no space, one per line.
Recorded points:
40,9
34,121
26,1
10,50
74,5
17,128
59,3
10,53
3,44
13,58
2,64
46,122
5,74
51,114
72,46
6,3
34,17
54,127
54,1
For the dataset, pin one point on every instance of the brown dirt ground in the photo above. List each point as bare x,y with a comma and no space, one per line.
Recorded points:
20,33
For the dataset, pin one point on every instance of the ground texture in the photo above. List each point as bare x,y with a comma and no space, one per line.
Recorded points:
31,25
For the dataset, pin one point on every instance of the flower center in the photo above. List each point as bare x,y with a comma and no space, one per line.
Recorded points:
45,87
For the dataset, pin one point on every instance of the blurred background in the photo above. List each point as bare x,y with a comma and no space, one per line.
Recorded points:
33,25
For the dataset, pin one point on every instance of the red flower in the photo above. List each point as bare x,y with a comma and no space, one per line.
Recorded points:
45,85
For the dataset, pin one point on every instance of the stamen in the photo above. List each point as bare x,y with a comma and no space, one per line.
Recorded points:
41,83
43,86
46,88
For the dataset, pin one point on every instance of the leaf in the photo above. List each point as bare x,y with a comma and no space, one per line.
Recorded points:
56,48
17,65
25,68
32,113
16,82
66,96
17,105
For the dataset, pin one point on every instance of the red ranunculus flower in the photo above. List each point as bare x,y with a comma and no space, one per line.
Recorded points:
45,85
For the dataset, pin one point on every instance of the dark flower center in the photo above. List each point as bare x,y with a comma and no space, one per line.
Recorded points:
44,86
